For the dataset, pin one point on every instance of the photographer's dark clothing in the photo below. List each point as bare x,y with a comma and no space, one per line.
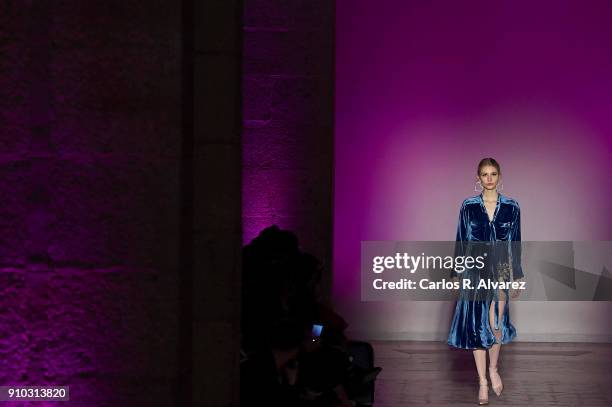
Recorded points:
262,385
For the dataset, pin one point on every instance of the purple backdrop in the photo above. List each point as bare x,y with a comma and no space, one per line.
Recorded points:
425,89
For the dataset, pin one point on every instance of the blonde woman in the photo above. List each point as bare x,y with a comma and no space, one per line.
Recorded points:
481,321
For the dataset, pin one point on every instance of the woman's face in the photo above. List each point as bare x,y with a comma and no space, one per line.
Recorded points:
489,177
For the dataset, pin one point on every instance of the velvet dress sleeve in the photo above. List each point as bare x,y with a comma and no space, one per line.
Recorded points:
515,244
461,236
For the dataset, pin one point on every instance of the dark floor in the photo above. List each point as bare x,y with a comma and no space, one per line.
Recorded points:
534,374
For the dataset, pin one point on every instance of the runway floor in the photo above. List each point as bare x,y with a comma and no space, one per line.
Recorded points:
534,374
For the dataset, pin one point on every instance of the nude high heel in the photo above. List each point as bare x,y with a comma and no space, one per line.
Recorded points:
496,381
483,393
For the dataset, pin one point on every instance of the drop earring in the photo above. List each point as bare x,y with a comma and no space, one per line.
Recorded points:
476,186
501,187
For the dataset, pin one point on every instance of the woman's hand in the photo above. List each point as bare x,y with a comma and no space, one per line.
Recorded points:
515,292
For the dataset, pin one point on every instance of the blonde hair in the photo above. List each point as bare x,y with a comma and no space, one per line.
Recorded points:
488,161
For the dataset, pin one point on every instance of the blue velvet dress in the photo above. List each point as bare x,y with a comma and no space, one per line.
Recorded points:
470,328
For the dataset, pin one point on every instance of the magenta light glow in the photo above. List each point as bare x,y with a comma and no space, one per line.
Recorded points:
424,90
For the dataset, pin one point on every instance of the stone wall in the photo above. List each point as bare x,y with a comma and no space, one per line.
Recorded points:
288,121
90,152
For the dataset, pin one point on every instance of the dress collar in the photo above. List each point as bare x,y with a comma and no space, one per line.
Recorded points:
484,208
498,197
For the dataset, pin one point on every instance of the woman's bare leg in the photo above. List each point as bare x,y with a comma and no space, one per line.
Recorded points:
500,313
480,357
494,350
